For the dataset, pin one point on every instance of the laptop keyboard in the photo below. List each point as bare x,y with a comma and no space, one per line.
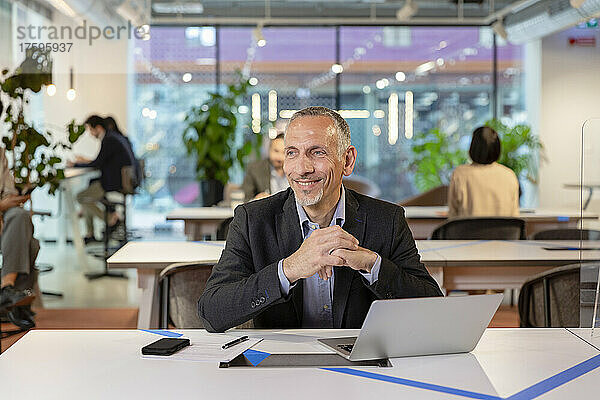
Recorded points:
346,347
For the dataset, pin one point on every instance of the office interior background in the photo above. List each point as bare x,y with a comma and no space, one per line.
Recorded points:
450,65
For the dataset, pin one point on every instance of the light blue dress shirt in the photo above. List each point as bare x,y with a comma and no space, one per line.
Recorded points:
318,293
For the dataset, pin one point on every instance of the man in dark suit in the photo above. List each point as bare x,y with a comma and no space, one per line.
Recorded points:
113,156
316,255
266,177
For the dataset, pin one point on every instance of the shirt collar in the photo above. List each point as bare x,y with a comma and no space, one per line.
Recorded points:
339,216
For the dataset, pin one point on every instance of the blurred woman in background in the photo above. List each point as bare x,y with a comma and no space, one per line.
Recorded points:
484,187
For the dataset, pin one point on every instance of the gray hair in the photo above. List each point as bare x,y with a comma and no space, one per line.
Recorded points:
342,130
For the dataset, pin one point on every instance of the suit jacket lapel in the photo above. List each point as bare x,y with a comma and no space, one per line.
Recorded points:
289,238
354,224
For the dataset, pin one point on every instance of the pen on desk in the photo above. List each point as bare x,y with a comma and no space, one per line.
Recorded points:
234,342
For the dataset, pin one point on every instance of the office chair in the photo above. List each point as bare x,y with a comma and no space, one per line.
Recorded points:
111,200
551,299
223,229
567,234
180,287
491,228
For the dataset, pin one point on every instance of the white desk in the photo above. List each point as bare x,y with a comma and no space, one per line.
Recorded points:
496,264
107,365
149,258
201,221
423,220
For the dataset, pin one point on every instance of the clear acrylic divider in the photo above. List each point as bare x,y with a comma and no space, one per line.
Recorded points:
589,185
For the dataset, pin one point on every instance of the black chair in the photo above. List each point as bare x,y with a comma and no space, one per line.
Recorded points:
223,229
490,228
567,234
551,299
111,201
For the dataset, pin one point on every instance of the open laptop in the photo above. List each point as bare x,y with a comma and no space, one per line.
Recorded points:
419,327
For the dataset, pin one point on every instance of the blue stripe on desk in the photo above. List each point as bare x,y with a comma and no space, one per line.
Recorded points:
163,332
472,243
416,384
557,380
529,393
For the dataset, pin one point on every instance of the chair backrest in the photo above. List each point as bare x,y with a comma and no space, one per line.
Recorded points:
491,228
567,234
181,286
129,181
437,196
551,299
223,229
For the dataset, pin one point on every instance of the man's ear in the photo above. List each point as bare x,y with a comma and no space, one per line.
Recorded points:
350,160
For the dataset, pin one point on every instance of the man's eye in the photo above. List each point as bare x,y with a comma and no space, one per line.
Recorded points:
319,152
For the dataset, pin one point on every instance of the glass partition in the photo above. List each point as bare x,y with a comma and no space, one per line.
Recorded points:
589,185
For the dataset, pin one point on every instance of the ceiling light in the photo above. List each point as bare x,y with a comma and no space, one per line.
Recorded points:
400,76
186,77
337,68
366,89
178,8
408,10
71,94
253,81
51,89
258,36
63,7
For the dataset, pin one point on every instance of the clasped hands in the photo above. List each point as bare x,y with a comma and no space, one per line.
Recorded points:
324,249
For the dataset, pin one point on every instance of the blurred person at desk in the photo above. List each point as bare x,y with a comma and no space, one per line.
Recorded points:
19,251
316,255
266,177
483,188
114,154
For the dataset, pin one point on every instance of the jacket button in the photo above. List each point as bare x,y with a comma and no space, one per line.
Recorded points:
253,304
262,299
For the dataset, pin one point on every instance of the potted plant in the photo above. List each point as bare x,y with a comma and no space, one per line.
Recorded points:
32,153
209,136
522,151
436,154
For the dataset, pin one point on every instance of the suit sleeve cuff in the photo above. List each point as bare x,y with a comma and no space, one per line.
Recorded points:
284,283
372,276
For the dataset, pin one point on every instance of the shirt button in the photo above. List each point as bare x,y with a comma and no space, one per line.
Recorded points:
326,306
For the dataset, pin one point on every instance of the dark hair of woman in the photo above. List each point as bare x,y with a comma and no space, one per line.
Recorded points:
485,146
95,120
111,125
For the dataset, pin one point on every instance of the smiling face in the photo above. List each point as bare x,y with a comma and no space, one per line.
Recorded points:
311,162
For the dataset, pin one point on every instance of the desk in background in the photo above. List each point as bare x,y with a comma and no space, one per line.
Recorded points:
204,221
201,221
456,265
528,363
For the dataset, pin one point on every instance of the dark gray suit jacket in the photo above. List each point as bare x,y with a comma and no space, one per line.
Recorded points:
257,179
244,284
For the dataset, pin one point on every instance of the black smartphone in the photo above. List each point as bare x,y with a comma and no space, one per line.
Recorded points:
27,191
165,346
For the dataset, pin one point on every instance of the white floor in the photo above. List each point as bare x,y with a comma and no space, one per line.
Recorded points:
78,292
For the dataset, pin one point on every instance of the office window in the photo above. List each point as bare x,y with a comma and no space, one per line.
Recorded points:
442,76
421,78
173,71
